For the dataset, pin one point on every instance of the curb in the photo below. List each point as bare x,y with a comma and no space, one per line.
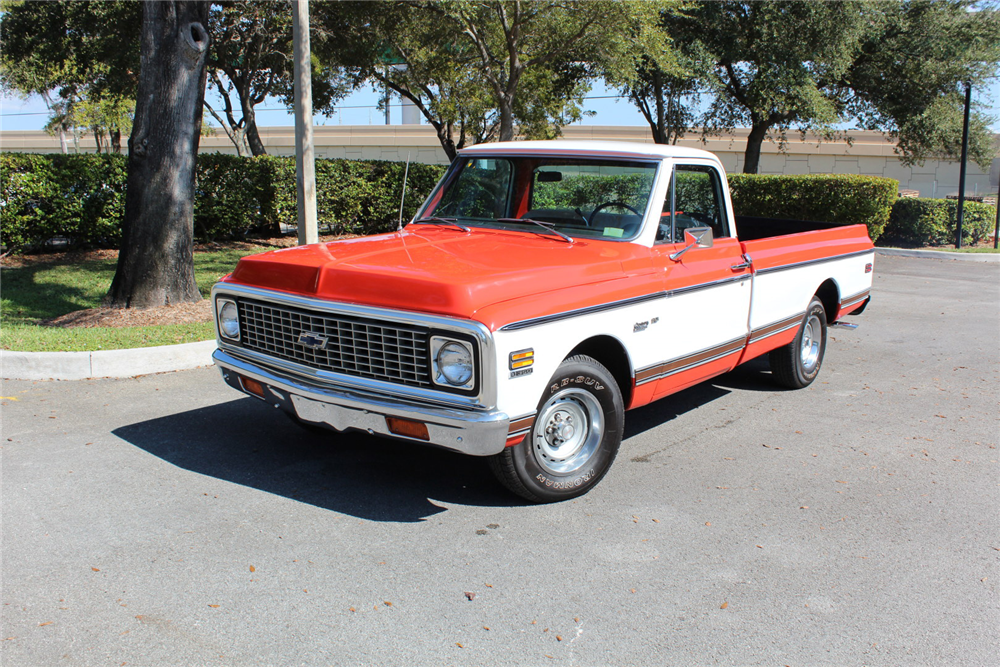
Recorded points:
105,363
939,254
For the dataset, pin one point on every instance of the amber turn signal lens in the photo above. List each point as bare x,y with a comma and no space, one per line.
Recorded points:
254,387
407,428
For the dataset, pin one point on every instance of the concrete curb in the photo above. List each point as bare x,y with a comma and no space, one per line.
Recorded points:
939,254
105,363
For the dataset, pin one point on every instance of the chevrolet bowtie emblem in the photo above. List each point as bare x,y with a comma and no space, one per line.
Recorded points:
312,340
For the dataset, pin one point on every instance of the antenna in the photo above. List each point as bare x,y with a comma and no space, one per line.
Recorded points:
403,198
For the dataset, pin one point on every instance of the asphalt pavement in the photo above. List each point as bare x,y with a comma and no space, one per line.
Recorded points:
167,520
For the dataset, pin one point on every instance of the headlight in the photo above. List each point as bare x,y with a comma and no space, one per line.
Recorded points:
453,363
229,319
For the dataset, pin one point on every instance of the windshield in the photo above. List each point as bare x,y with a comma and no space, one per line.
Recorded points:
577,197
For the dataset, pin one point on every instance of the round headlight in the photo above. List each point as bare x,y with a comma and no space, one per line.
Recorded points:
229,320
455,363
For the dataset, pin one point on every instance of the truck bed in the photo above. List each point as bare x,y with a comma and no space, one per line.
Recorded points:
753,228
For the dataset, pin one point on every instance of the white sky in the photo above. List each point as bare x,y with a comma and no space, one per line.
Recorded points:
360,109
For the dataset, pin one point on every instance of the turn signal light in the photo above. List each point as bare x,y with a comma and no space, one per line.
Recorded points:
522,359
252,386
407,428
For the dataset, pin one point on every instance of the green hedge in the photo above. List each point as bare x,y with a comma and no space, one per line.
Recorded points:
81,197
932,222
841,198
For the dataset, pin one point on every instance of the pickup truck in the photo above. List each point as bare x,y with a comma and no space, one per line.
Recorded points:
543,289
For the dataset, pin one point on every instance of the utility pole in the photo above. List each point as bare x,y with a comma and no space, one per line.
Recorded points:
961,173
305,160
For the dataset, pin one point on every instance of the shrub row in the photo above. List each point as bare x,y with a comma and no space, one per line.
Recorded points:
81,197
933,221
846,199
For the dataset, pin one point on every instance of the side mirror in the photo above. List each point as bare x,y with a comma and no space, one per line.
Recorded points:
700,237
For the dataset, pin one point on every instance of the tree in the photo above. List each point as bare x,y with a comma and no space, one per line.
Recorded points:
408,50
156,263
895,67
82,58
537,57
773,65
481,70
909,78
252,57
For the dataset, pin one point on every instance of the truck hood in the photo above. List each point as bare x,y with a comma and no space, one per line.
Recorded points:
437,270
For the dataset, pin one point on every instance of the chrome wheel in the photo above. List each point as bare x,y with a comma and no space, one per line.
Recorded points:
812,339
568,431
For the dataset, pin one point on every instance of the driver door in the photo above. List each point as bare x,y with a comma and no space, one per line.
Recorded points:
708,302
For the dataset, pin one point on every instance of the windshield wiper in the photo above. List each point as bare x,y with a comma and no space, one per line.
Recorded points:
434,220
547,226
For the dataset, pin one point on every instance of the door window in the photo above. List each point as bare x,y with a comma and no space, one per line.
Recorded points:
694,199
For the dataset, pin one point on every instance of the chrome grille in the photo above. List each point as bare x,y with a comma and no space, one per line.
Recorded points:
355,346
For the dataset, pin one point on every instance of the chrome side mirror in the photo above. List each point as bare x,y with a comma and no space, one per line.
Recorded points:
700,237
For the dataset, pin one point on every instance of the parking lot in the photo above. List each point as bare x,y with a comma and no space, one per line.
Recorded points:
167,520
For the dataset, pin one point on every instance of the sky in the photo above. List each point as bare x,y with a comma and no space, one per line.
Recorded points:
360,108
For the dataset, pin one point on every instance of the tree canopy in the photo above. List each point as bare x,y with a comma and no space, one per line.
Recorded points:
252,58
779,65
485,70
82,58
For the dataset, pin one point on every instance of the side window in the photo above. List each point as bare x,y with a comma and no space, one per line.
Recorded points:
694,199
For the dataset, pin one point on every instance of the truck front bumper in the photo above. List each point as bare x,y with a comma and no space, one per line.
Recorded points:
475,432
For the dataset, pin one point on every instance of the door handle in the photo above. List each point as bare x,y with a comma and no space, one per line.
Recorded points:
745,264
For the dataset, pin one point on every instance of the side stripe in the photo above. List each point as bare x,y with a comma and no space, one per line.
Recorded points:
799,265
776,327
854,298
547,319
673,366
521,425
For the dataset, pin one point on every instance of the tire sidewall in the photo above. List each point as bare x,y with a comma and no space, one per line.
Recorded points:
815,308
547,485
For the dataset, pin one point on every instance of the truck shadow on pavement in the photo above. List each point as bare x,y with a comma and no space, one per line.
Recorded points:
245,443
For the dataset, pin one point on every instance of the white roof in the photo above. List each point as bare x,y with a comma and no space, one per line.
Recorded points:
587,148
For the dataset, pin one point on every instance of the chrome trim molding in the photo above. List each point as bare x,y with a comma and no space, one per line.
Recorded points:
486,396
778,327
854,298
590,310
687,362
469,431
799,265
521,425
547,319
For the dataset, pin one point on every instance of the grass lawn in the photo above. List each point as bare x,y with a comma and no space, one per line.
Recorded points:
41,289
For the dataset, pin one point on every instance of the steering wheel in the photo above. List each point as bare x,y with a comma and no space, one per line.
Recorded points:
609,204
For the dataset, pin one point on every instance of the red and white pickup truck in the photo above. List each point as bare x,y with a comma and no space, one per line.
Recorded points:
543,289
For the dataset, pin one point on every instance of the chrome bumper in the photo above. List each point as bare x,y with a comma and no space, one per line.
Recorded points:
475,432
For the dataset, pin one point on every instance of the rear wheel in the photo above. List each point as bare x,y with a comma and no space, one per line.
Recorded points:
797,364
575,437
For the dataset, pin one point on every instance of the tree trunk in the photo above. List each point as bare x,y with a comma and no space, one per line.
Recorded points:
506,119
251,134
116,141
751,156
156,262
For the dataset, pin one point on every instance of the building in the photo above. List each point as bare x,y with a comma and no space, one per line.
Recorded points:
869,153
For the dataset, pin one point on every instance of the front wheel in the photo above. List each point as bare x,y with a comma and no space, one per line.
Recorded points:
797,364
575,437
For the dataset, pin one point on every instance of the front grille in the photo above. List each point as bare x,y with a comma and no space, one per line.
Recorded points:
356,346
